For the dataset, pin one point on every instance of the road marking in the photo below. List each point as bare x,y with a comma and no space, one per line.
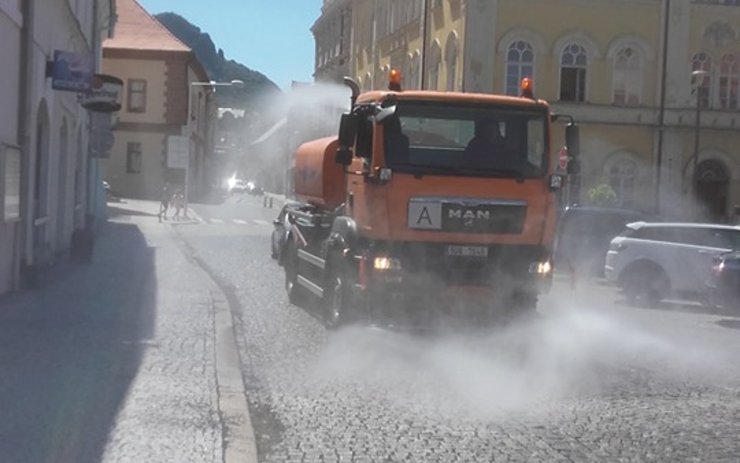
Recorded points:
240,222
261,222
216,221
194,215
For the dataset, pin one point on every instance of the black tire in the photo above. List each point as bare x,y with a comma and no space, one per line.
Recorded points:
337,302
296,294
645,285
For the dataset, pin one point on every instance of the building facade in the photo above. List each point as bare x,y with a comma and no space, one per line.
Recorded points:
622,68
158,73
48,177
333,35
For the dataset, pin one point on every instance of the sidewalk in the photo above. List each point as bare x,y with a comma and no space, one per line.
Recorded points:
124,359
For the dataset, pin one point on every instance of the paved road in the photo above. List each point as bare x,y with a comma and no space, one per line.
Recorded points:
590,379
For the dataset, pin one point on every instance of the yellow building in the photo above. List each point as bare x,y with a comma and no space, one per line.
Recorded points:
332,33
622,68
157,72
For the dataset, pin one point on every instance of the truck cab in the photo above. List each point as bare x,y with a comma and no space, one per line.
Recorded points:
429,191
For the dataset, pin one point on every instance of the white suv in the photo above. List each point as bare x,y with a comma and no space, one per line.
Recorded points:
650,261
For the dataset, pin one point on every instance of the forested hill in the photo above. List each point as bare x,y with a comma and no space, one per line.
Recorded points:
219,68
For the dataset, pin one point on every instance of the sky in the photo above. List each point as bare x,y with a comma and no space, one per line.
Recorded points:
269,36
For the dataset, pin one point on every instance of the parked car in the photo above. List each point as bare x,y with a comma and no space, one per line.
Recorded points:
723,285
650,261
282,227
584,234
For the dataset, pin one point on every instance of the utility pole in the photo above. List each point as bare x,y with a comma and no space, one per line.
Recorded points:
424,28
661,111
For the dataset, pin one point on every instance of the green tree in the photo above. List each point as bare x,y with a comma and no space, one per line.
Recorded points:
602,195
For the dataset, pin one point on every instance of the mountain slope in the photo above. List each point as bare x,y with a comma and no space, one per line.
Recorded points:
219,69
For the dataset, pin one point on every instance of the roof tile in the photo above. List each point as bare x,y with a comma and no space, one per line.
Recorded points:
136,29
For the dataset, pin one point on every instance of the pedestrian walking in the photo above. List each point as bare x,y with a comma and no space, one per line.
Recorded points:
164,202
179,203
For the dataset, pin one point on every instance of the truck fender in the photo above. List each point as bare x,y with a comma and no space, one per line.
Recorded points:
343,233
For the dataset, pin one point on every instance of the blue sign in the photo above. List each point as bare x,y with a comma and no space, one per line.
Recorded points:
72,72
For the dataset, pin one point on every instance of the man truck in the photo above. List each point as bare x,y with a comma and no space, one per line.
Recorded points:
425,197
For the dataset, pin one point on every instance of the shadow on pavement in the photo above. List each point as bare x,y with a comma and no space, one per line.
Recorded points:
115,211
732,323
69,351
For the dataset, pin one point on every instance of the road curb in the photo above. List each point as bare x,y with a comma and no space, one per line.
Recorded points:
239,442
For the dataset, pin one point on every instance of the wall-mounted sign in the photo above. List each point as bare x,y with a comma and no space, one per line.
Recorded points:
178,152
71,72
105,94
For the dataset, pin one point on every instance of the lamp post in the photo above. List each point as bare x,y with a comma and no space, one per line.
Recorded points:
698,77
233,83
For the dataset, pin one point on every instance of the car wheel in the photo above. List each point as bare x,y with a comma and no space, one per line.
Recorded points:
646,284
296,294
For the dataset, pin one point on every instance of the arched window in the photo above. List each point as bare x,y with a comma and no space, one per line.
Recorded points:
451,61
729,80
622,177
435,62
702,62
412,80
627,77
368,82
573,67
519,64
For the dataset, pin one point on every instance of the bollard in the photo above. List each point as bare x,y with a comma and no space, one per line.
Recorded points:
271,202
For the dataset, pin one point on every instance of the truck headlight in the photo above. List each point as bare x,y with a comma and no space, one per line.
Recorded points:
386,263
541,268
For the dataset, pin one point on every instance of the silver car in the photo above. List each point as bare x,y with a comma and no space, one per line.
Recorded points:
651,261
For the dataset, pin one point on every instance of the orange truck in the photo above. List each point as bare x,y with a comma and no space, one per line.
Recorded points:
424,197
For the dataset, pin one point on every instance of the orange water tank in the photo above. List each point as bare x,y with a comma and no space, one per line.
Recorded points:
319,180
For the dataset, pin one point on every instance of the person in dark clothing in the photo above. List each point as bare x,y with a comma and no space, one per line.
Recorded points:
487,143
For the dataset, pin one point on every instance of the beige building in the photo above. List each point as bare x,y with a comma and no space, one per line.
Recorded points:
622,68
157,72
333,34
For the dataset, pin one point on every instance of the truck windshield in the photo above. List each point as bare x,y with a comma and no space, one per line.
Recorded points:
432,138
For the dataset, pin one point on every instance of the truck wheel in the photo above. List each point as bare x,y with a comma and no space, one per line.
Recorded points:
337,300
296,295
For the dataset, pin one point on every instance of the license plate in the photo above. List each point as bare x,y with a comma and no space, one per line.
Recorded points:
467,251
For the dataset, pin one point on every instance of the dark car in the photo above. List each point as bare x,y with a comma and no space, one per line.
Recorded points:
723,286
282,227
584,234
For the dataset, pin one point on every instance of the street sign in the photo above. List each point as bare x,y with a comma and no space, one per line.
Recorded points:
71,72
178,152
563,158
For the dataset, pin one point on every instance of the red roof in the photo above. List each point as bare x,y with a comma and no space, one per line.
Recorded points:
136,29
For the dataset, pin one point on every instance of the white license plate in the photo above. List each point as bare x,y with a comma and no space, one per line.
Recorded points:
467,251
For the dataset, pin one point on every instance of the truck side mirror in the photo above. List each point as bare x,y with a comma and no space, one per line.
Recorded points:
573,140
348,130
347,133
574,166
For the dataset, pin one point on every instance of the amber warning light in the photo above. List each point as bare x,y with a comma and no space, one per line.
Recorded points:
394,80
527,88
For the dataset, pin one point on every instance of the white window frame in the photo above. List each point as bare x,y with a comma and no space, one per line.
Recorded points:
587,68
724,99
519,64
639,72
